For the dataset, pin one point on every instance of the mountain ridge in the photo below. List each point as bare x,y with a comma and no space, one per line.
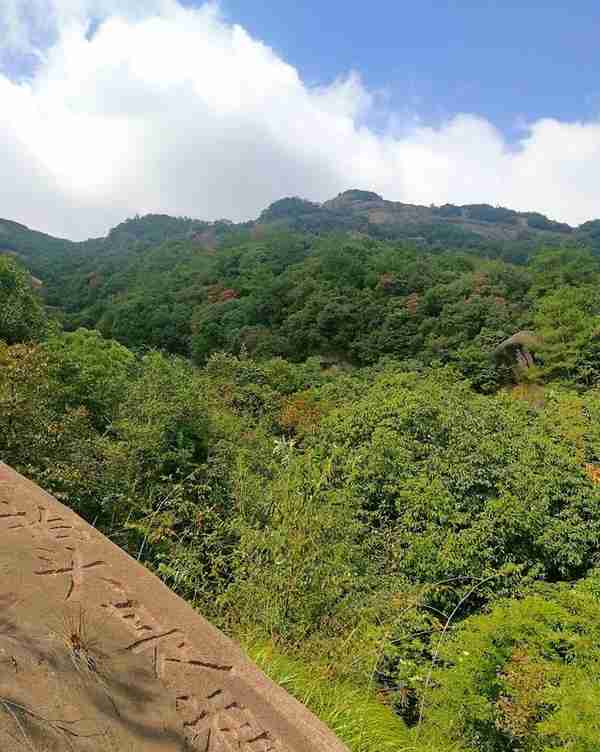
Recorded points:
379,211
82,278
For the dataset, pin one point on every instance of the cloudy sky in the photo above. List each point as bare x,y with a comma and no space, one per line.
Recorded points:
114,107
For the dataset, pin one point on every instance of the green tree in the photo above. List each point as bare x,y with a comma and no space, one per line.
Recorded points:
22,317
558,267
52,444
466,484
568,323
90,371
161,423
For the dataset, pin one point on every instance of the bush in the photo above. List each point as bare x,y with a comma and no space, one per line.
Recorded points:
355,714
525,676
90,371
162,422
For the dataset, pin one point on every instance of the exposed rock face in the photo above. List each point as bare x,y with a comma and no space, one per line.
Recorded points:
354,197
518,348
97,654
362,210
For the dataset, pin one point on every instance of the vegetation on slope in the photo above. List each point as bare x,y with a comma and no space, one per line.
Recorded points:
401,527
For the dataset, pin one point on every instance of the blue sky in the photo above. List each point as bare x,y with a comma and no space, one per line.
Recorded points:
508,61
217,109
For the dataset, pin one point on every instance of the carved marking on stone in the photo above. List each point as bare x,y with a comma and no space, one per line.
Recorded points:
136,618
13,517
219,724
139,621
43,524
214,721
156,645
200,663
75,570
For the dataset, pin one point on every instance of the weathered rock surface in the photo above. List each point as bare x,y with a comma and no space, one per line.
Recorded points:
517,349
97,654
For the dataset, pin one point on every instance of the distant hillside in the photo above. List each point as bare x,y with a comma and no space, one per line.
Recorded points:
61,264
36,250
461,226
353,210
170,281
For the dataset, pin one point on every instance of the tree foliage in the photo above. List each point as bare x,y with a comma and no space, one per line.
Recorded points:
310,438
22,317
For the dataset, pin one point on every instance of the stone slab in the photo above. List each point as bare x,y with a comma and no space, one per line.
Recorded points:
96,653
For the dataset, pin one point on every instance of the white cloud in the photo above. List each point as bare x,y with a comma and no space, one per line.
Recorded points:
166,108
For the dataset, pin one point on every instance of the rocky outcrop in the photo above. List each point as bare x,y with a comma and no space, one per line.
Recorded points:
98,654
518,349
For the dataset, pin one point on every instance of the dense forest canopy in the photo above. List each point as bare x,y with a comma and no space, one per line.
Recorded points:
362,437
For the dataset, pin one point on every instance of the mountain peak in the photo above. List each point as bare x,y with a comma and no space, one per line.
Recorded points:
352,196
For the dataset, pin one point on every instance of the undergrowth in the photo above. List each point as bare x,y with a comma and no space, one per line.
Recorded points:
358,718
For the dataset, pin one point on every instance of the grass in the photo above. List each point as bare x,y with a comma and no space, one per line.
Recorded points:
356,716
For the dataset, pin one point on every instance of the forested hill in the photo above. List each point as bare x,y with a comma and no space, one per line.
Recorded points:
359,210
367,212
352,280
354,210
377,465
